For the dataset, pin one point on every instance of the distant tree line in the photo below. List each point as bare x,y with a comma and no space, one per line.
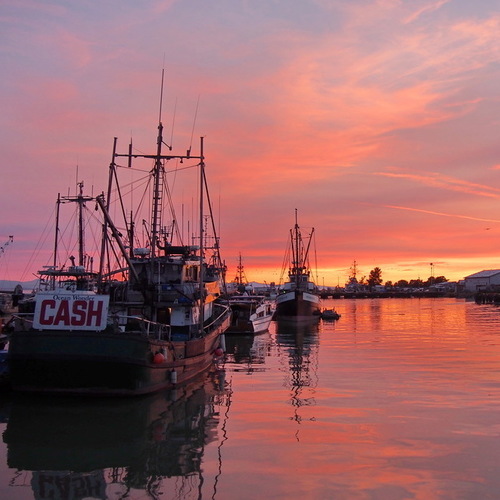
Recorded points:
375,278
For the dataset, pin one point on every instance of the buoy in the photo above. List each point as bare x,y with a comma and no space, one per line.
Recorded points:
219,352
158,358
173,377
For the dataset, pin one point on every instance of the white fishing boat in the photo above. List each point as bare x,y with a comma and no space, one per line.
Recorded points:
250,313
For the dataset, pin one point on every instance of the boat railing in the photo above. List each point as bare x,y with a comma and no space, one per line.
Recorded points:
19,322
152,328
219,319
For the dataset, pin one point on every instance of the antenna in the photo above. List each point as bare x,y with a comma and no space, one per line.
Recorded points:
161,94
161,106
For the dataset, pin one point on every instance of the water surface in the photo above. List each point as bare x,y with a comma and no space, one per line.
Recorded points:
398,399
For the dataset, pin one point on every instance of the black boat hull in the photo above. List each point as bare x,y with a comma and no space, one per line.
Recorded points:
298,306
99,363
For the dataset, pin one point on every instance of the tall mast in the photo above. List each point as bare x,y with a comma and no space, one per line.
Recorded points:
202,237
157,193
56,236
296,251
240,277
112,168
158,172
81,228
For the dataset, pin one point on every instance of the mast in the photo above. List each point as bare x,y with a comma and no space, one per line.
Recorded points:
296,253
105,223
157,193
81,228
202,250
80,199
58,208
240,273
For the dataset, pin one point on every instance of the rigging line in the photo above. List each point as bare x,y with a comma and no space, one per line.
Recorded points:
173,124
120,198
175,226
130,188
167,172
194,123
286,259
214,230
41,241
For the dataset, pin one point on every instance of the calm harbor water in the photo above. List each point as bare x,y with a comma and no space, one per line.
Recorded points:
399,399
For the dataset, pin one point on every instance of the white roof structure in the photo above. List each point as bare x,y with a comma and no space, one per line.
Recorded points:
484,274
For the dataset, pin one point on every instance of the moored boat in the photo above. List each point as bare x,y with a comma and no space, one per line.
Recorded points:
151,322
331,314
299,298
250,313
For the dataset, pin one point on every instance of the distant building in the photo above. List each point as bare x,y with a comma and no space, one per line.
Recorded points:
483,281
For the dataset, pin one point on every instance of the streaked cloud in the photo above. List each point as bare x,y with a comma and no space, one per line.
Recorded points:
430,212
438,180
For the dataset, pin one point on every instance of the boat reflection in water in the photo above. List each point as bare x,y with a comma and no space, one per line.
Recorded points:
106,448
299,345
248,351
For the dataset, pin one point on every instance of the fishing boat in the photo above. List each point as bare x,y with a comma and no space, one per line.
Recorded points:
299,298
250,313
150,322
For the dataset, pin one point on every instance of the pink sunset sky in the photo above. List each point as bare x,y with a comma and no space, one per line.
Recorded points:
377,120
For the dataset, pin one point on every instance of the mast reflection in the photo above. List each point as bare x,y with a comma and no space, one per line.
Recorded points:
299,344
105,448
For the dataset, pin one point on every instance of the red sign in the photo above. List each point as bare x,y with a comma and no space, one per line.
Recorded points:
76,311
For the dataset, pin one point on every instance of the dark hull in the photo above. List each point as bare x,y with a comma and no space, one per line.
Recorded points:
105,363
297,306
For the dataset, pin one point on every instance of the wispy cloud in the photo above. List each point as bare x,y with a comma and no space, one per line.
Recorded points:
442,214
438,180
429,7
